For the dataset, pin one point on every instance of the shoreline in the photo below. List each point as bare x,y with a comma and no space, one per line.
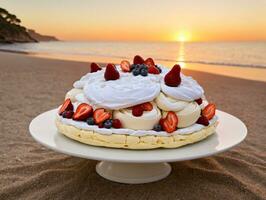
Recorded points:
248,73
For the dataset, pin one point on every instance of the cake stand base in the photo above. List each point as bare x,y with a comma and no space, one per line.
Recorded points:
133,173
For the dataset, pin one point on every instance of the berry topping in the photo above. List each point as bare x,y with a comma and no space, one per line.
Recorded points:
117,123
125,66
67,105
153,70
138,60
160,70
172,78
111,73
95,67
90,121
157,127
83,111
203,120
149,62
199,101
144,72
136,71
100,115
147,106
100,125
169,123
137,111
67,114
209,111
108,123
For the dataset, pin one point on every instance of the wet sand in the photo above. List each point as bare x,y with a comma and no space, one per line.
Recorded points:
30,85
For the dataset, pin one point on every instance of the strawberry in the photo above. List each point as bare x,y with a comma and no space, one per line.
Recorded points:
125,66
117,123
100,125
138,60
209,111
147,106
67,114
153,70
199,101
83,111
67,105
149,62
137,111
203,120
172,78
100,115
95,67
169,123
111,72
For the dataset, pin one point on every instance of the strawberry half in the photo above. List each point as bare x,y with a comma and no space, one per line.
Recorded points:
125,66
153,70
149,62
169,123
172,78
83,112
138,60
95,67
209,111
137,110
203,120
100,115
111,72
66,106
117,123
147,106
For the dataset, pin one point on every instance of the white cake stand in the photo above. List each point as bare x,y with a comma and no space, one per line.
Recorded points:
138,166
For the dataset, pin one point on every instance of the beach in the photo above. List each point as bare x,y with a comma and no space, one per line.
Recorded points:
32,85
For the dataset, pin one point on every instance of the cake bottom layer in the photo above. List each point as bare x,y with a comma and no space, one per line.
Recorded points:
133,142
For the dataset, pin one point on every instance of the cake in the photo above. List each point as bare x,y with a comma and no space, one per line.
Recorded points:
142,105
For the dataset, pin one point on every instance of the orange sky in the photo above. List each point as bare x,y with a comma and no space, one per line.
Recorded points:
144,20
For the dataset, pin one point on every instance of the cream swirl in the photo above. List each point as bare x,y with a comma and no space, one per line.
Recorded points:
169,104
144,122
188,90
124,92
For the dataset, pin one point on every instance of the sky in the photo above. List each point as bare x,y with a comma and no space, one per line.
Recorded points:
144,20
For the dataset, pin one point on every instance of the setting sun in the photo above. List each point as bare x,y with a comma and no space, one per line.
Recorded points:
182,37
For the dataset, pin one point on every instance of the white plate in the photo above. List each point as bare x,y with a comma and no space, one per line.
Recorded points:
230,132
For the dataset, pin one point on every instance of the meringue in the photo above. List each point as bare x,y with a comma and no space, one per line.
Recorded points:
71,94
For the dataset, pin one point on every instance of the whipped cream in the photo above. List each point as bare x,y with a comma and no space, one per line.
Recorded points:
144,122
169,104
124,131
188,90
124,92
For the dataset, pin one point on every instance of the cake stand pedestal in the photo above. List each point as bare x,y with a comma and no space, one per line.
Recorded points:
138,166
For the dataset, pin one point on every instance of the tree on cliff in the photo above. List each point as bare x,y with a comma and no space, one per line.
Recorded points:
11,30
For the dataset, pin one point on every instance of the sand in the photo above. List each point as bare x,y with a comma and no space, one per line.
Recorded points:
29,86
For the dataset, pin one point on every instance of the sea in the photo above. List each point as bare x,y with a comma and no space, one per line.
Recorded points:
240,54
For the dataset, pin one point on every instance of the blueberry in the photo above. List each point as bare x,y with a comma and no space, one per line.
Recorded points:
157,127
107,124
144,72
132,67
90,121
143,66
136,72
67,114
160,70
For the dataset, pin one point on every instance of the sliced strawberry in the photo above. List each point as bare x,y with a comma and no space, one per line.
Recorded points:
67,105
153,70
172,78
149,62
111,72
138,60
83,112
209,111
199,101
95,67
169,123
117,123
100,115
125,66
137,111
147,106
203,120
